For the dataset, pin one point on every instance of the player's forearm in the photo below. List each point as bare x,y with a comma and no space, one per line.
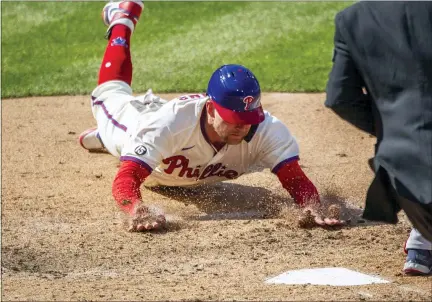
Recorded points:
298,184
126,185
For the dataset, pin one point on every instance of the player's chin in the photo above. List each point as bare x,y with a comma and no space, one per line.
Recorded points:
234,139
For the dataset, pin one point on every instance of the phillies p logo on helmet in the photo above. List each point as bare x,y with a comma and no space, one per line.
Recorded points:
248,100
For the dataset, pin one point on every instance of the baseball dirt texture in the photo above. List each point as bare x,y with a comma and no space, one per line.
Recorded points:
63,238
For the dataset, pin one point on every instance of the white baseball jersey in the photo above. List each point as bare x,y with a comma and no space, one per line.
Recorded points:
168,138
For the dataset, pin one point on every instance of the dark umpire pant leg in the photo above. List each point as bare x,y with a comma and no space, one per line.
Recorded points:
419,214
383,203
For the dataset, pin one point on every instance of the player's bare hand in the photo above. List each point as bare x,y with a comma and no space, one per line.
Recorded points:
146,218
312,216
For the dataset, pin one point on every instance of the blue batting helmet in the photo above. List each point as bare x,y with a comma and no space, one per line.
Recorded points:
236,94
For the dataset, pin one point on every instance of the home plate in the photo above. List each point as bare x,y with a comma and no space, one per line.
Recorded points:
335,276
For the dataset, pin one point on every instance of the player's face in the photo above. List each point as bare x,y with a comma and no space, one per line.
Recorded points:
231,134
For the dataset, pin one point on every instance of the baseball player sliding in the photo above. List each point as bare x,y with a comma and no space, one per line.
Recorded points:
191,140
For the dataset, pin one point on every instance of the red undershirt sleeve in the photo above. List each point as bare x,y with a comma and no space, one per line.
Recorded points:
126,185
297,184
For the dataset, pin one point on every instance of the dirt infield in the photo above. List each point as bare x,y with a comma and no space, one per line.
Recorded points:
63,239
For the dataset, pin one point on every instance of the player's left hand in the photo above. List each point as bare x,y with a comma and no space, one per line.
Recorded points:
146,218
312,216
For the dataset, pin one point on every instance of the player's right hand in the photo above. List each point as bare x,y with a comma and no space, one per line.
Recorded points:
311,216
146,218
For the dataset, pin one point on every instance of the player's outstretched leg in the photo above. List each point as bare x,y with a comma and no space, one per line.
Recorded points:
121,19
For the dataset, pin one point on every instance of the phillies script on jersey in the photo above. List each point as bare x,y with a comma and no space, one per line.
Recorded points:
180,165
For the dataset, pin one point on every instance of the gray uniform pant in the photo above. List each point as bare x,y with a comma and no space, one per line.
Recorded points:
417,241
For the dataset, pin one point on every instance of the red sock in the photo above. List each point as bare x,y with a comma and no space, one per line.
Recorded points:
117,63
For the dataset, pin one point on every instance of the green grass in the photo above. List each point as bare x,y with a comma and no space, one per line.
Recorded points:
57,48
